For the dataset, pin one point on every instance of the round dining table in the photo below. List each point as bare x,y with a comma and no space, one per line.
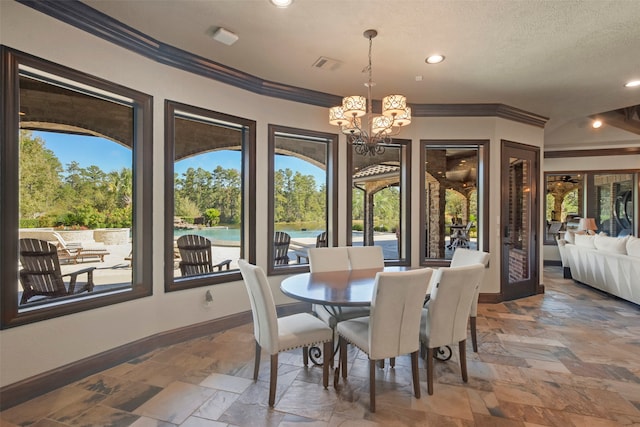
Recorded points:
346,288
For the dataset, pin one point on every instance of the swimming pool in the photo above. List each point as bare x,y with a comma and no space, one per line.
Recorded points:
233,234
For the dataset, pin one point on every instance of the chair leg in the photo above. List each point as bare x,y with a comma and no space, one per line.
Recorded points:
327,349
305,356
462,345
474,337
430,370
416,375
256,365
343,357
273,379
372,385
392,362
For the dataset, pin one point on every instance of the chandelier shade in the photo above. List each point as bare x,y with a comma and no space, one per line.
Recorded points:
369,133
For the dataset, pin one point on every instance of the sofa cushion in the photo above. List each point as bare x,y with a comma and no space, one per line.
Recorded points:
633,246
585,241
612,245
569,236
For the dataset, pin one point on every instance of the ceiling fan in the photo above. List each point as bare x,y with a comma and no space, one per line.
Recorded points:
566,178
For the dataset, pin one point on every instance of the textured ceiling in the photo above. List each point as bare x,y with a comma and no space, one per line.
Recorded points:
566,60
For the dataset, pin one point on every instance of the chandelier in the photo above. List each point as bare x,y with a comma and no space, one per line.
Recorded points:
368,132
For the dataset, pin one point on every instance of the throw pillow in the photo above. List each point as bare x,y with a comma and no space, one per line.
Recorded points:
633,246
612,245
569,236
585,241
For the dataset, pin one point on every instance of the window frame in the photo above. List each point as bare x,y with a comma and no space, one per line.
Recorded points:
482,194
248,189
142,166
331,193
405,199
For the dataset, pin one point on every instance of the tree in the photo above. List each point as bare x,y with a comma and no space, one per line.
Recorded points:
40,172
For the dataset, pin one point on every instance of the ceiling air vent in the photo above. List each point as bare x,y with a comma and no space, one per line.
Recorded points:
325,63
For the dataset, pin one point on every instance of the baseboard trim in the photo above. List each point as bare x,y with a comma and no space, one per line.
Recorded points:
29,388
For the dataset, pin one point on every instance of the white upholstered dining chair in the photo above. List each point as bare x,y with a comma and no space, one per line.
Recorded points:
393,327
365,257
462,257
274,334
444,321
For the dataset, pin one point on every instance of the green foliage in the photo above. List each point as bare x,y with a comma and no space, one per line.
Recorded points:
70,196
185,207
212,216
357,226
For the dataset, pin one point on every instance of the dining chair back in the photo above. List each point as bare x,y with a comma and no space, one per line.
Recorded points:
393,327
362,257
275,334
445,319
328,259
462,257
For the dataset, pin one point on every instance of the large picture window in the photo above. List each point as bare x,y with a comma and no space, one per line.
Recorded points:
302,190
380,203
209,157
75,172
453,198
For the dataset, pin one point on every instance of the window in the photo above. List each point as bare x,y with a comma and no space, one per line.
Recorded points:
209,165
76,173
453,198
610,198
563,210
380,204
302,194
610,201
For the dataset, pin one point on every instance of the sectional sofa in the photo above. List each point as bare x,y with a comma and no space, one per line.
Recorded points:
611,264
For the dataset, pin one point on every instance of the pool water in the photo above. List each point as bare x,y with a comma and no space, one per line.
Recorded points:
233,234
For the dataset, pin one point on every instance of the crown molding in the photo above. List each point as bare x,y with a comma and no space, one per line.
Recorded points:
623,151
84,17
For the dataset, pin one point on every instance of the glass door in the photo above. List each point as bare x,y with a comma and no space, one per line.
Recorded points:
519,220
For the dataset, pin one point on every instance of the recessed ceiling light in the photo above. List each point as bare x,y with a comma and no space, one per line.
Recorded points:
596,124
281,3
434,59
633,83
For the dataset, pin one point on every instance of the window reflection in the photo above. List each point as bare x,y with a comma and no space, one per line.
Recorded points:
206,233
451,212
301,204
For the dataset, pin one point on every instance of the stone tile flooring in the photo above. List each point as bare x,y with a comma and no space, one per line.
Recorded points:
570,357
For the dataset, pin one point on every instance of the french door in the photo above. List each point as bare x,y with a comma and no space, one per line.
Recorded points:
519,220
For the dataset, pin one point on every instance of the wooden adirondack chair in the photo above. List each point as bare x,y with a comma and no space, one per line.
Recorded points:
195,256
41,275
281,242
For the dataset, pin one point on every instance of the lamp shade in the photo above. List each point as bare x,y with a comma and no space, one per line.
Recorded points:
588,224
354,106
393,105
337,117
403,119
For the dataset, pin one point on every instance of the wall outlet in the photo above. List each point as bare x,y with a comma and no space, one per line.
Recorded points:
208,299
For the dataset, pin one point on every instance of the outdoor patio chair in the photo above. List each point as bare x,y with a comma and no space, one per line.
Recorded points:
281,241
195,256
41,275
75,252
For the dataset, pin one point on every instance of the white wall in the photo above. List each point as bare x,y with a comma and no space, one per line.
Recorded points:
39,347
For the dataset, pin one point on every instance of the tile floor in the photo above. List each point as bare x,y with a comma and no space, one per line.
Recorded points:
570,357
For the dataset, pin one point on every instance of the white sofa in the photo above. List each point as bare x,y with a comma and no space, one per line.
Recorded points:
611,264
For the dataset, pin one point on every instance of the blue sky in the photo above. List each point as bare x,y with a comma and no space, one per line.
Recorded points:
110,156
